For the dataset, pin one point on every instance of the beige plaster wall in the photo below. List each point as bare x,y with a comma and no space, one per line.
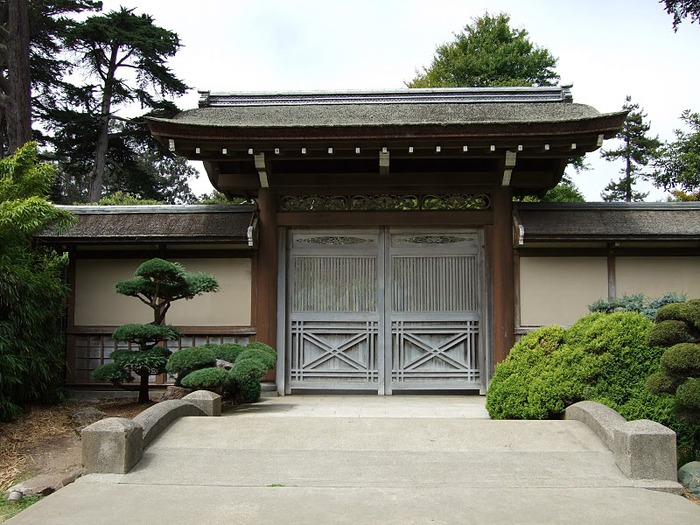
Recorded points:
655,276
557,290
96,302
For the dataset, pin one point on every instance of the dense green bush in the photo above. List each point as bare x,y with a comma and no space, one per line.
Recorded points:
687,312
213,378
188,360
32,292
262,346
602,357
242,382
669,333
224,351
266,358
244,379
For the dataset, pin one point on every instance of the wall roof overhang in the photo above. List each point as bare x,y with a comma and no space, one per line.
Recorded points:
614,223
160,224
467,135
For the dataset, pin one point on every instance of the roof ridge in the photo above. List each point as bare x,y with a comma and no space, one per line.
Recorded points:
396,96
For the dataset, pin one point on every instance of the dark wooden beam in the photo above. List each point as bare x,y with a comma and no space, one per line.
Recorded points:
503,274
265,312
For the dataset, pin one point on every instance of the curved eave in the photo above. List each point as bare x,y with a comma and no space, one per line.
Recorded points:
605,124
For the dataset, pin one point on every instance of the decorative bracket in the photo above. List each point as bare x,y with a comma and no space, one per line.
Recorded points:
511,157
262,168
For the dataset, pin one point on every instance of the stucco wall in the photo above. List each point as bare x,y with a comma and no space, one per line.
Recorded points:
655,276
557,290
96,302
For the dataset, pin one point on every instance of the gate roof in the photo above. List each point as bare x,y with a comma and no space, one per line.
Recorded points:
518,136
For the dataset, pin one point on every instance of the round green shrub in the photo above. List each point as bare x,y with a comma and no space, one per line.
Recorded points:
214,379
248,368
187,360
688,394
226,351
263,346
244,390
250,391
682,359
662,383
258,354
688,312
668,333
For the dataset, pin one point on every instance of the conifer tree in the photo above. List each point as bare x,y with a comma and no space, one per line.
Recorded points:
156,283
637,150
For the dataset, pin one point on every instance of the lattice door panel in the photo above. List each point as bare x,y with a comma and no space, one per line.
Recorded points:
334,353
435,354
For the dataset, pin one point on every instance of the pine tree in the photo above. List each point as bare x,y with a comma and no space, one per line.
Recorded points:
637,150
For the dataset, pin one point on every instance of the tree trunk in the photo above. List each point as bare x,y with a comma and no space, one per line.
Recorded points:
19,115
143,388
97,175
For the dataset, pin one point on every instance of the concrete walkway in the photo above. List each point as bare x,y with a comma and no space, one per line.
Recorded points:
357,459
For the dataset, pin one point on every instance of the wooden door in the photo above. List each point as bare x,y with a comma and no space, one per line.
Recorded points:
384,310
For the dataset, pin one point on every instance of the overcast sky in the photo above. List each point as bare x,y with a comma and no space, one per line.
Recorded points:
607,48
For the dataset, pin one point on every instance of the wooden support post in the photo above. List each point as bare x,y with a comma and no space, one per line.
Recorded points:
266,270
503,274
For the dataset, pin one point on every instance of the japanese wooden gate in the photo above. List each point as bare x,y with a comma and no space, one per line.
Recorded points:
384,310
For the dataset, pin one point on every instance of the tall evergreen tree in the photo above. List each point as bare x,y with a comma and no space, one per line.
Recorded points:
677,167
125,54
31,53
637,150
489,53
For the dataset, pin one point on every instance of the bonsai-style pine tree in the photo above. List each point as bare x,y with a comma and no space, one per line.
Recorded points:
678,328
156,283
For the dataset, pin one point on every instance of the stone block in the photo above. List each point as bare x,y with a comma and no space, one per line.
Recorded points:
208,402
112,446
646,449
599,418
155,419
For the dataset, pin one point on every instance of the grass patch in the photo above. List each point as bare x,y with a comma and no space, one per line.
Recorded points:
9,509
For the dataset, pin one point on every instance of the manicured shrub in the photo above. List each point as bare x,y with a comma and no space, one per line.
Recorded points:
188,360
682,360
248,368
224,351
244,379
687,312
688,395
669,333
214,379
264,347
663,383
258,354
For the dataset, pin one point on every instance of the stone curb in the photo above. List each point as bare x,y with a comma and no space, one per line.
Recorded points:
645,451
115,445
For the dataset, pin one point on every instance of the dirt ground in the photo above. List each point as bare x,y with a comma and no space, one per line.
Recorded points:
47,441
